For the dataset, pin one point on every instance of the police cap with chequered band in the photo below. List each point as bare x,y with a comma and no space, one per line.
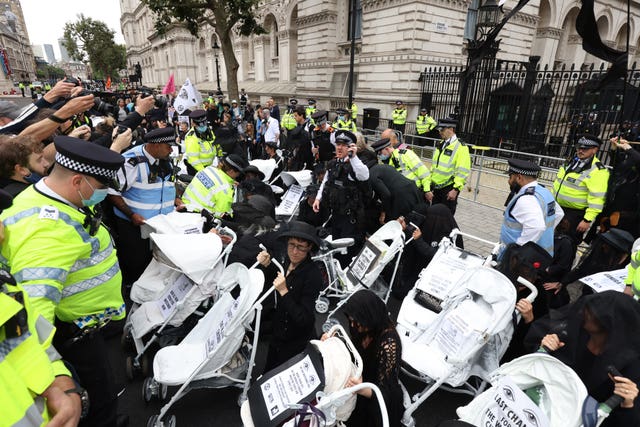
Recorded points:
236,162
293,101
447,123
341,111
523,167
319,117
588,141
398,102
198,116
345,137
89,159
161,136
380,144
311,101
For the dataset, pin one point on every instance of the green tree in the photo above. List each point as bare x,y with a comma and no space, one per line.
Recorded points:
223,16
92,42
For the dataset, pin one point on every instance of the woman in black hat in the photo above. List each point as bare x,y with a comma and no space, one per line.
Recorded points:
296,293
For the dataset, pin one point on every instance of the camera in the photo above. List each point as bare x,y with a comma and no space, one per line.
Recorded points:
101,107
73,80
160,103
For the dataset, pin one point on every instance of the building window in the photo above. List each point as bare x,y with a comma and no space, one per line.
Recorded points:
358,32
472,20
275,50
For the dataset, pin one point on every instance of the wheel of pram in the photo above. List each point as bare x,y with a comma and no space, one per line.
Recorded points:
153,421
171,422
130,370
149,389
126,341
322,305
164,391
144,366
328,324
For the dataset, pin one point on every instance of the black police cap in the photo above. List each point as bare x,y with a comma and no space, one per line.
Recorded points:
161,136
198,116
381,144
345,137
523,167
89,159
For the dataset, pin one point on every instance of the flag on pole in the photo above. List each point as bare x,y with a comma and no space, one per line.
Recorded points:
170,87
188,98
108,84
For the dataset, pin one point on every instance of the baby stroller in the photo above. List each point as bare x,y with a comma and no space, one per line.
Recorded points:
296,183
325,368
455,324
181,276
215,354
536,389
386,244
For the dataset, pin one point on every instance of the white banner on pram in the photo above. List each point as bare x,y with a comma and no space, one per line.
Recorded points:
175,293
441,277
511,407
289,386
218,334
290,200
607,280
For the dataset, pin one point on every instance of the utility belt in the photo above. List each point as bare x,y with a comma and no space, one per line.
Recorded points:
447,185
69,334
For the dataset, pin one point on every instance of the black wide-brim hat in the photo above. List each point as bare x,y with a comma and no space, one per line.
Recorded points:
302,230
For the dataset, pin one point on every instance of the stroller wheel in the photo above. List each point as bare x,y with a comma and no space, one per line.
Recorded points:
144,365
171,422
322,305
126,341
164,390
153,421
149,389
130,370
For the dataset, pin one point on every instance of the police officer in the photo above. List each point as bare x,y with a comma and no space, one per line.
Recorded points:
581,186
424,124
399,117
343,188
404,161
354,111
62,256
147,190
343,122
450,167
311,107
632,282
199,142
526,218
323,138
288,122
213,188
21,87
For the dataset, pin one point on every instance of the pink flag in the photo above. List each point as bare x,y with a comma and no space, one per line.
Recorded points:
170,87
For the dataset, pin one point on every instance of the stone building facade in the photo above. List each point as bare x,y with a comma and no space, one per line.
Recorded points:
306,50
15,45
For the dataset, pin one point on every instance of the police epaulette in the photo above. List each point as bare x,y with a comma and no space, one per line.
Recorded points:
599,165
402,150
137,160
530,190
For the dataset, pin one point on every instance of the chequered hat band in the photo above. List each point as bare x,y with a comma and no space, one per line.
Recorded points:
588,142
84,168
170,139
519,171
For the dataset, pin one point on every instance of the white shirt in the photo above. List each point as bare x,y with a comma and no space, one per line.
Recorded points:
527,212
130,173
272,132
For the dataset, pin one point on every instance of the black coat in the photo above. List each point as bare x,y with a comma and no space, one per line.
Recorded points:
398,194
294,314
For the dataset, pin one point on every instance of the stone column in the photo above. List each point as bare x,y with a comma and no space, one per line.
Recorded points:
288,47
258,48
546,44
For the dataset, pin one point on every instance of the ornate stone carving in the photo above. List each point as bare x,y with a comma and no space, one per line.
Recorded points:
315,19
287,34
574,39
549,33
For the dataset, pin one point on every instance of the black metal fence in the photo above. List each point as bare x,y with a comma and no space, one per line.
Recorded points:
531,108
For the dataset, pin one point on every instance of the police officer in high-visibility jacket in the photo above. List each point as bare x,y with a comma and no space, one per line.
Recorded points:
450,167
288,122
404,161
399,117
632,282
342,122
311,108
424,124
148,189
532,213
581,186
199,144
354,111
213,188
62,256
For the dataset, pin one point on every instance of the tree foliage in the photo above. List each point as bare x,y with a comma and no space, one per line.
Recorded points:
92,42
224,16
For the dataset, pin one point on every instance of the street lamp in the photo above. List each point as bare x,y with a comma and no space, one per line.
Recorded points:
216,49
489,15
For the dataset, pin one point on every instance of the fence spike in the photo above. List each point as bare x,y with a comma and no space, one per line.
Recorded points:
573,66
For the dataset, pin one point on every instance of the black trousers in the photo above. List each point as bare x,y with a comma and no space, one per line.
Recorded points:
90,358
574,216
440,196
134,252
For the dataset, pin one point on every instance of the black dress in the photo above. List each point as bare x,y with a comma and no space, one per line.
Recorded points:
381,366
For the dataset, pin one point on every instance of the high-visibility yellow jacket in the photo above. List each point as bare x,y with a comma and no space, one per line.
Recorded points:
345,125
354,111
288,122
585,189
450,165
199,152
409,164
424,124
210,189
399,116
28,363
633,273
67,273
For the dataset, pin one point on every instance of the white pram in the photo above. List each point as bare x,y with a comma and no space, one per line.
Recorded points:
455,324
385,245
338,361
540,390
215,353
182,275
296,183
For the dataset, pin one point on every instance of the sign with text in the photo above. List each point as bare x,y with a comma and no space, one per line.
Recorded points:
364,262
511,407
290,200
446,270
607,280
175,293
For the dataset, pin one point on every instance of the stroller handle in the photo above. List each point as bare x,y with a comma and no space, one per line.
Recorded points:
342,334
325,401
271,288
534,291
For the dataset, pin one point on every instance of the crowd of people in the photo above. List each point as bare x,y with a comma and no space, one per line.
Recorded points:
73,165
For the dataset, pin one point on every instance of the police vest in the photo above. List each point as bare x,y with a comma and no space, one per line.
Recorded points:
399,116
153,191
210,189
200,152
345,125
450,166
512,229
75,277
633,275
424,124
409,164
583,190
354,110
288,122
345,196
